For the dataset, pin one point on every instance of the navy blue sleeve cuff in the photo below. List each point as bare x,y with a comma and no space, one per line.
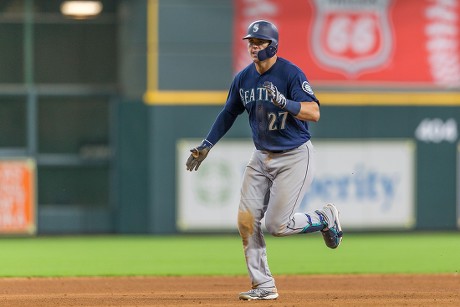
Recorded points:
206,143
292,107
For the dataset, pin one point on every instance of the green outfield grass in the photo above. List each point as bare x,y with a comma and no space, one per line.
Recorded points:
223,255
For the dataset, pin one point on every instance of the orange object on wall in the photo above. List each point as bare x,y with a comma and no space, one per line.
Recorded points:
17,196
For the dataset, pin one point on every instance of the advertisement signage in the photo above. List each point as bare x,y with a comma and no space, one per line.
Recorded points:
17,196
371,182
409,43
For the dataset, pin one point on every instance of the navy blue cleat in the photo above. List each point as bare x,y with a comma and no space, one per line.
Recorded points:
332,233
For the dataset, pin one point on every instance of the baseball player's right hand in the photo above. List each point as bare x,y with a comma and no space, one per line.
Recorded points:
198,154
277,98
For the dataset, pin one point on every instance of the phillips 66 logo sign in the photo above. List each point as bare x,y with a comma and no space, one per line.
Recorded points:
383,42
351,36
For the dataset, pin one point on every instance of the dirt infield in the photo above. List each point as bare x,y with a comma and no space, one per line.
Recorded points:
341,290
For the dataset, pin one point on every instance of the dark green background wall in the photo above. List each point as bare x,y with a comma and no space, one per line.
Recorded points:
195,54
435,192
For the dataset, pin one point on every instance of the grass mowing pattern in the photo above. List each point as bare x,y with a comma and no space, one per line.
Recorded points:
223,255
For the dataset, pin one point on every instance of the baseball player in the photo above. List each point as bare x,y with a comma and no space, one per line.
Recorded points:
280,103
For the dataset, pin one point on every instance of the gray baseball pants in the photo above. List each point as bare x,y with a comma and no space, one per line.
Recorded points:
273,187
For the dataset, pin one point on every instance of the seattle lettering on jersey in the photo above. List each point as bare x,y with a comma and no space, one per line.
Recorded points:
253,94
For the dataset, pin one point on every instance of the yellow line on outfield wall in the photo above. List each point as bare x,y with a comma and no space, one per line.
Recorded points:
326,98
390,98
152,45
185,97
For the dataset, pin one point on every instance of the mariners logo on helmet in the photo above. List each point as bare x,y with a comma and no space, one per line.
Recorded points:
255,28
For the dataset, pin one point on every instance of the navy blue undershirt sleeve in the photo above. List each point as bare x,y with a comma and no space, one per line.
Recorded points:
223,123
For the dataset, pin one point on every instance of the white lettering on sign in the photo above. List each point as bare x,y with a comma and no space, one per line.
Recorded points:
351,36
442,42
355,35
435,130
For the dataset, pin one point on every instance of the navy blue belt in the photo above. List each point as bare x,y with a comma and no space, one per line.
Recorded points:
280,151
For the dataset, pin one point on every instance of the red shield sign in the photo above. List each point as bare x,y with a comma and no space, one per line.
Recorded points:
351,36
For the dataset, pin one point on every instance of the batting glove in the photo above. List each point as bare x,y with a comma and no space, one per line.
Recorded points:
277,98
198,154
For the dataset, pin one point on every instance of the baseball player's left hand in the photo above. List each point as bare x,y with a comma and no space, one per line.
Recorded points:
198,154
277,98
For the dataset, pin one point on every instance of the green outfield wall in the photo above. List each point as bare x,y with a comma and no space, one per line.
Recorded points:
192,61
151,156
101,104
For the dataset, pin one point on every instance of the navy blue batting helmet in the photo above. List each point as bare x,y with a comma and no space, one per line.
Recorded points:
263,29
